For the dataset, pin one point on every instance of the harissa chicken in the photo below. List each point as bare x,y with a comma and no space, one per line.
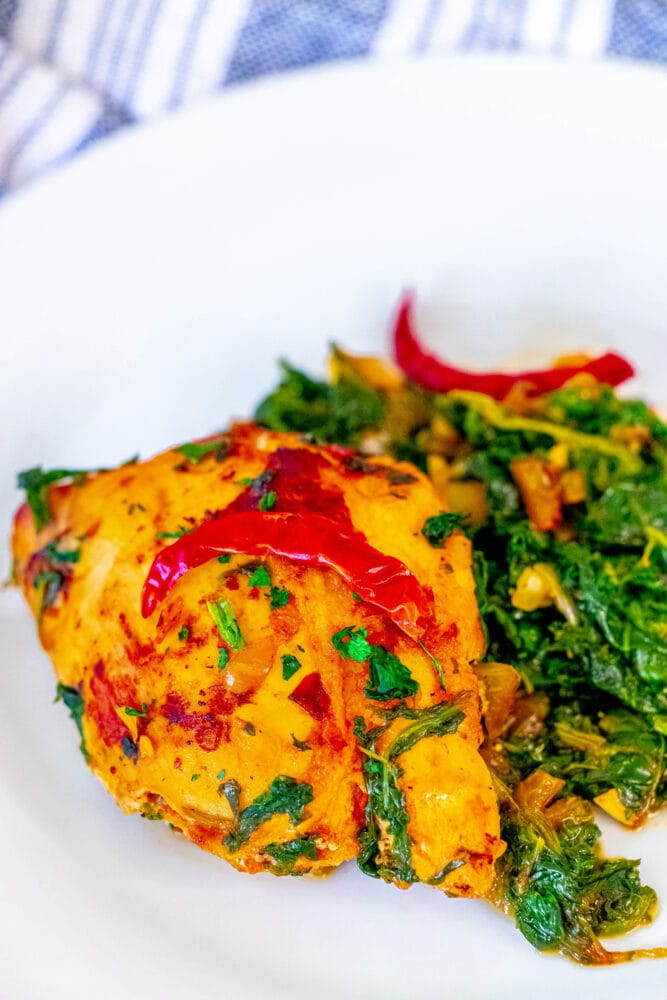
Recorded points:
261,647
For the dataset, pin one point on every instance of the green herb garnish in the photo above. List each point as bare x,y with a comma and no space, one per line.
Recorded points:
267,501
290,666
180,531
138,713
223,615
195,452
279,597
259,577
388,676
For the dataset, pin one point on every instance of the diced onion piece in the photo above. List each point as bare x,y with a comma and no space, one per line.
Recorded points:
559,456
572,487
539,587
537,790
467,497
500,683
611,803
540,491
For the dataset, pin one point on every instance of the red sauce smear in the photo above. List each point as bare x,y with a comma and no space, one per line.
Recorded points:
430,372
101,707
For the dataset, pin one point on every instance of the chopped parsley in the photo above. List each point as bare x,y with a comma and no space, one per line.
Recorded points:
279,597
259,577
184,633
139,713
194,777
223,658
290,666
180,531
353,643
224,558
267,501
195,452
388,676
223,615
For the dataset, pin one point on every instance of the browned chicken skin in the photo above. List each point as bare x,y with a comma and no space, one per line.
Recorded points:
252,752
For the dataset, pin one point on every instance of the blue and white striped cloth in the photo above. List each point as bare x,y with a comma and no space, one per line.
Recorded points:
73,71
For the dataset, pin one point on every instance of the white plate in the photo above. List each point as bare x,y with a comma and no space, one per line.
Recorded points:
146,293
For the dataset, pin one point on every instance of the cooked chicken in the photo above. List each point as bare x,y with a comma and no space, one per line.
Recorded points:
298,690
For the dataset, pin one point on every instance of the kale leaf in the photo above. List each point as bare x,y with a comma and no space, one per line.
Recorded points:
438,528
329,412
36,483
73,700
284,795
562,893
285,855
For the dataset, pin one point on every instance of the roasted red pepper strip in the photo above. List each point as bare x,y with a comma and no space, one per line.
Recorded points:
379,579
429,372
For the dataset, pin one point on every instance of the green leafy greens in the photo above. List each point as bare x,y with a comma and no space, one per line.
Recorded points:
284,795
329,412
73,700
593,652
36,483
285,855
385,845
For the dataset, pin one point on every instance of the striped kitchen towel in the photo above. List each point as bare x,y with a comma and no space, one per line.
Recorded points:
73,71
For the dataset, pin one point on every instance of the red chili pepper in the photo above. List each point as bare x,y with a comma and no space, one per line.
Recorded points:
379,579
431,373
311,695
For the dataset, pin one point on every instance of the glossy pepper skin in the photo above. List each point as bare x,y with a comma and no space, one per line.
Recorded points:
311,539
196,727
431,373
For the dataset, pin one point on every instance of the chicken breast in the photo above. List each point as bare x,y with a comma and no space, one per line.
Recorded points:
275,713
